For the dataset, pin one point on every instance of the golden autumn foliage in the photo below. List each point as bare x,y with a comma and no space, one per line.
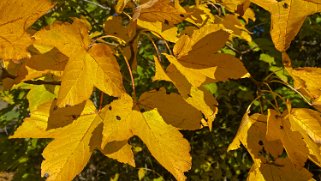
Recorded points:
65,58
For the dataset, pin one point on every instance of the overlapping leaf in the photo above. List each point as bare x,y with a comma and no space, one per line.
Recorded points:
298,132
199,98
280,129
76,131
52,62
200,53
266,154
159,10
287,17
305,81
85,69
160,30
164,141
16,16
185,116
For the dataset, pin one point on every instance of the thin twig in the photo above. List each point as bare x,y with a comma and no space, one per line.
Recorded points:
97,4
293,89
154,45
42,82
131,77
101,101
274,97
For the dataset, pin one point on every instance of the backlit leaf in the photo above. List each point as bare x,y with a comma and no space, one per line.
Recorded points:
287,17
159,10
164,142
305,79
185,116
16,16
279,128
85,69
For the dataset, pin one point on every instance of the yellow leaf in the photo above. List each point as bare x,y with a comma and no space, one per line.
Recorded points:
121,4
83,67
241,134
231,22
202,40
159,71
67,155
52,62
199,53
173,108
165,142
266,154
141,173
309,121
77,131
249,15
200,15
114,26
35,126
232,5
120,151
281,170
251,134
279,128
121,123
287,17
199,98
16,16
158,29
305,79
40,94
105,70
196,77
117,116
159,10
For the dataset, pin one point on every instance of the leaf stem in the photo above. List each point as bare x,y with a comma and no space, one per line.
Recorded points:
131,77
154,45
101,101
97,4
293,89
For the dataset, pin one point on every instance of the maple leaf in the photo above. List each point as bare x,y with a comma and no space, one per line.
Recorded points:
280,129
121,4
307,122
198,53
199,98
38,65
40,94
281,169
266,153
159,30
114,26
235,5
16,16
159,10
231,22
85,68
287,17
310,121
199,15
76,131
305,79
185,116
298,132
121,122
242,132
